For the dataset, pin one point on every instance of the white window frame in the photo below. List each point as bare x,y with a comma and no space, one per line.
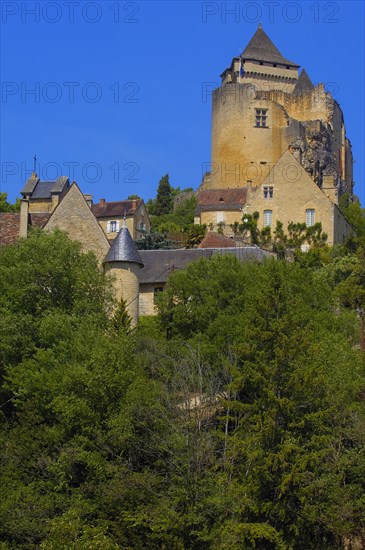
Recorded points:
268,192
267,218
310,214
113,226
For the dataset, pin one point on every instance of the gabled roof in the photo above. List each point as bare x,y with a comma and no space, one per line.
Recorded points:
116,208
73,215
304,83
123,249
261,48
221,199
44,189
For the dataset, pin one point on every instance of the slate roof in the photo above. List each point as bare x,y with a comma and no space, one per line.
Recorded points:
116,208
43,189
261,48
159,264
304,83
221,199
10,224
123,249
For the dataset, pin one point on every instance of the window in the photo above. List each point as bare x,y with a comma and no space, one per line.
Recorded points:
261,118
267,218
220,217
309,217
268,192
112,227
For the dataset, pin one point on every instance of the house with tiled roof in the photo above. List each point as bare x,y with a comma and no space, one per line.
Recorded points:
110,216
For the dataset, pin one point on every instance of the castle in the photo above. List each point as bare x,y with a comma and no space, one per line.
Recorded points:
279,148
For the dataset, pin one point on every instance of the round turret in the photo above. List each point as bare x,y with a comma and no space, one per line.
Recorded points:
124,262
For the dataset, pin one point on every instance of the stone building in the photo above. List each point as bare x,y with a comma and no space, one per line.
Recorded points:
41,198
263,109
110,216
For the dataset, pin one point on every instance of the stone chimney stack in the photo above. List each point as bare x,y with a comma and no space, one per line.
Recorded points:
102,202
24,214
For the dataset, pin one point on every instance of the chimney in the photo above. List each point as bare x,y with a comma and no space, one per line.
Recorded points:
102,202
134,204
24,214
89,199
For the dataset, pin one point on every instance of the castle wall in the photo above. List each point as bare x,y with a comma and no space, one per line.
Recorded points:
241,151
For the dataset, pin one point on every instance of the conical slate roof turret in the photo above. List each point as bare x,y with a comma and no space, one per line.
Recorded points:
123,249
304,83
260,48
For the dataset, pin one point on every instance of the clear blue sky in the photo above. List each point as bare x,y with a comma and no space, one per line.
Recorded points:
111,111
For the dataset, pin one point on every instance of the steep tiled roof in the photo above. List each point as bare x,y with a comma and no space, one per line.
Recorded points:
9,227
116,208
304,83
123,249
215,240
159,264
39,219
222,199
10,223
260,48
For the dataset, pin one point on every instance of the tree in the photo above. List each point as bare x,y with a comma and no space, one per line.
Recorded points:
6,206
164,198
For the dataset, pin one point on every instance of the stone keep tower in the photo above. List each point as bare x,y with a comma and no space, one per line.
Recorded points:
124,262
262,109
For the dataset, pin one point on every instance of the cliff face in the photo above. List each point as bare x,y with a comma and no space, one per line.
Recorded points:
316,150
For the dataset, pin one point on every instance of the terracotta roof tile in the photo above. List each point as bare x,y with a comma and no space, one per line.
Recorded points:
222,199
116,208
39,219
9,227
215,240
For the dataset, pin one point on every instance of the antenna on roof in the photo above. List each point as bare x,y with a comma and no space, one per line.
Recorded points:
34,175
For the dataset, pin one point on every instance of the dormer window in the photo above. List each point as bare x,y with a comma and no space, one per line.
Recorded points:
261,118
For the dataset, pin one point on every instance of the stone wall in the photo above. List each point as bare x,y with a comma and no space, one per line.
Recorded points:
126,285
74,216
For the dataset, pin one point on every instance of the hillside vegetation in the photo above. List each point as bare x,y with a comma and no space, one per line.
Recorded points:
235,419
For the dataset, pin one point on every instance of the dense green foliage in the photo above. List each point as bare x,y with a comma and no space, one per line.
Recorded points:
233,420
6,206
172,217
